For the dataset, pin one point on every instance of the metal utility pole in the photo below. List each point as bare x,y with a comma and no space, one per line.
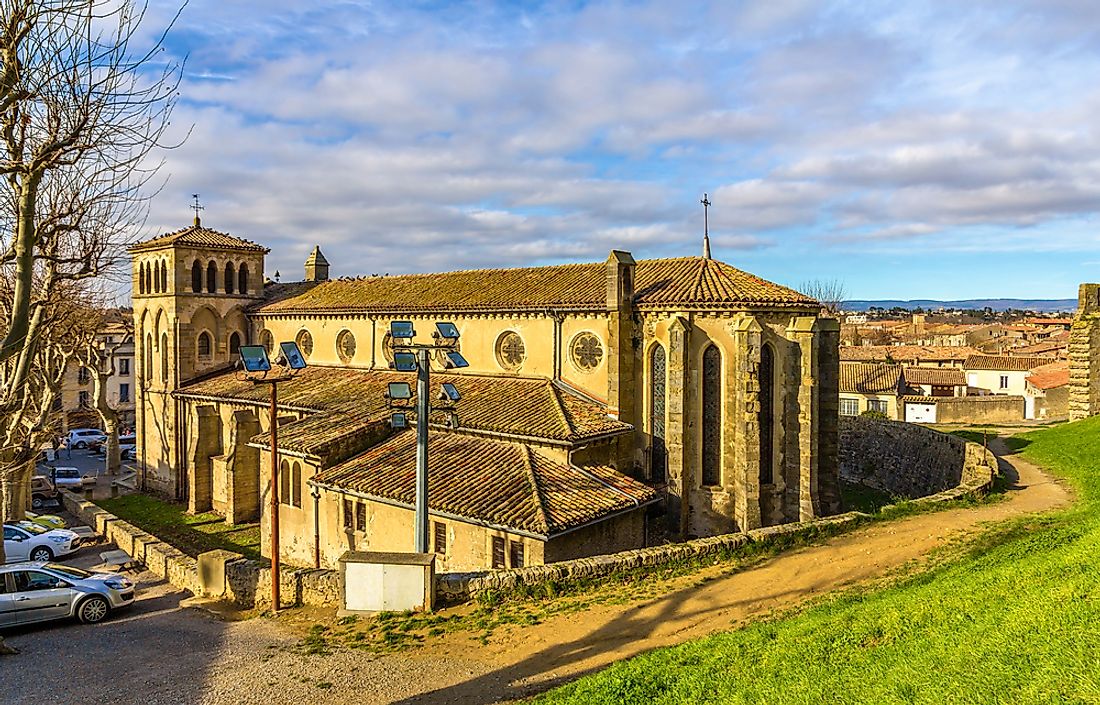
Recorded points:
274,497
423,409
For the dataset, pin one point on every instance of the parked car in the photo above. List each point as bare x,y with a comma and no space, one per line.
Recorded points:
43,492
126,446
69,478
27,541
84,437
50,521
38,592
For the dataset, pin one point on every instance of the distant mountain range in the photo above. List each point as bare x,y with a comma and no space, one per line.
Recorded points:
1038,305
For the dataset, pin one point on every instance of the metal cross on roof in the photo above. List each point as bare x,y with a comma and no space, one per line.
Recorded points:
196,206
706,227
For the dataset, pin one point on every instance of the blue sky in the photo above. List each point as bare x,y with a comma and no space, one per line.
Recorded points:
918,149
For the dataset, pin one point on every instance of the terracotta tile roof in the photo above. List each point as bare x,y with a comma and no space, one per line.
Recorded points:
198,236
905,353
1004,363
494,482
320,433
1050,376
526,407
869,378
936,376
661,283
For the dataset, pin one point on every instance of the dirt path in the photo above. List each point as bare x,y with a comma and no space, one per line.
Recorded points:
531,659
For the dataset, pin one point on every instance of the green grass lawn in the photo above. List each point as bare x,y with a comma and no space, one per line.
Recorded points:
1014,619
192,534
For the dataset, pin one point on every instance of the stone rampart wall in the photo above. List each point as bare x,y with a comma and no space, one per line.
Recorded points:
910,461
995,408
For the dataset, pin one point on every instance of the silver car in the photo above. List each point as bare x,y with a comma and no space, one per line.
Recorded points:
38,592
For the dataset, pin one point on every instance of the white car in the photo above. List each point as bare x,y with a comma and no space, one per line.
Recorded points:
83,437
70,478
126,446
25,541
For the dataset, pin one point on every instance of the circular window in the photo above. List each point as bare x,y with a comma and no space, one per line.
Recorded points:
305,342
586,351
268,341
510,350
345,345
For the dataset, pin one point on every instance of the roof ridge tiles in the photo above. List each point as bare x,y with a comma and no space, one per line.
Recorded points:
536,489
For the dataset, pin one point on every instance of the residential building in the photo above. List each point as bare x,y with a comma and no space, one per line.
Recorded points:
868,386
1047,391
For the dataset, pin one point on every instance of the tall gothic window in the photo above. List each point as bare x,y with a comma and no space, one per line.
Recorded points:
234,345
230,277
164,357
242,279
196,277
767,402
712,416
658,376
147,368
164,276
141,279
211,278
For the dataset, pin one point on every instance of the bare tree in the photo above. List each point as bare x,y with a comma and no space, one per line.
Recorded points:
831,293
80,113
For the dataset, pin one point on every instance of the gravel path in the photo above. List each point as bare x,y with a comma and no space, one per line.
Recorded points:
160,653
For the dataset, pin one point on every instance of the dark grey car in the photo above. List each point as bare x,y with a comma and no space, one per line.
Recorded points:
38,592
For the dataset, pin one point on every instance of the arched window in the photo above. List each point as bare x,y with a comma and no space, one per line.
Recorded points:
206,348
296,485
242,279
147,369
163,276
712,416
196,277
164,358
234,345
211,278
657,380
230,277
284,482
766,374
268,341
141,279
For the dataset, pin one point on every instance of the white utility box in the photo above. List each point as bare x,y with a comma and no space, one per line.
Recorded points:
387,582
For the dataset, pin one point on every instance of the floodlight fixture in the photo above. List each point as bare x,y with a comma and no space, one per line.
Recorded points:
447,331
292,355
399,390
404,362
402,330
399,420
454,359
449,392
254,358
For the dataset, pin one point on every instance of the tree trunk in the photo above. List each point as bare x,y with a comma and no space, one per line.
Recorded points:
114,461
15,486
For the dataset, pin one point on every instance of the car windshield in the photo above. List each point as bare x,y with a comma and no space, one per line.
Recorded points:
69,570
67,472
32,528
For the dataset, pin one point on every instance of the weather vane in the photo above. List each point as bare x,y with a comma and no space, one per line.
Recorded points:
706,226
196,206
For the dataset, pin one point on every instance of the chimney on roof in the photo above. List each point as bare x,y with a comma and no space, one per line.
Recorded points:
316,266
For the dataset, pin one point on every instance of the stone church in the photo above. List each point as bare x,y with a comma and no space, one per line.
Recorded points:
607,405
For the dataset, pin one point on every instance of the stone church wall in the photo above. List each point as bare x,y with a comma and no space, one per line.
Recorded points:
1084,355
908,460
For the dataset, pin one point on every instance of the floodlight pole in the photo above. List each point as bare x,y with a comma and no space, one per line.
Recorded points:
423,410
274,494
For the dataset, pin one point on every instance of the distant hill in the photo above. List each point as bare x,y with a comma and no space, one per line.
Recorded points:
1039,305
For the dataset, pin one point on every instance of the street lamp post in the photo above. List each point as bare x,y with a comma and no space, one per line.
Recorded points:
409,357
257,368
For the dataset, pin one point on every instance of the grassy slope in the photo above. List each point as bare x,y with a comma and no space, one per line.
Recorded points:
192,534
1015,620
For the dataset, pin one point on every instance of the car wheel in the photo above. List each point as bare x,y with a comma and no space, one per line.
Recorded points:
42,554
37,503
93,610
81,445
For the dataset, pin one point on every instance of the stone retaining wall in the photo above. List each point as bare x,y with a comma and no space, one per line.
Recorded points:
911,461
217,574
